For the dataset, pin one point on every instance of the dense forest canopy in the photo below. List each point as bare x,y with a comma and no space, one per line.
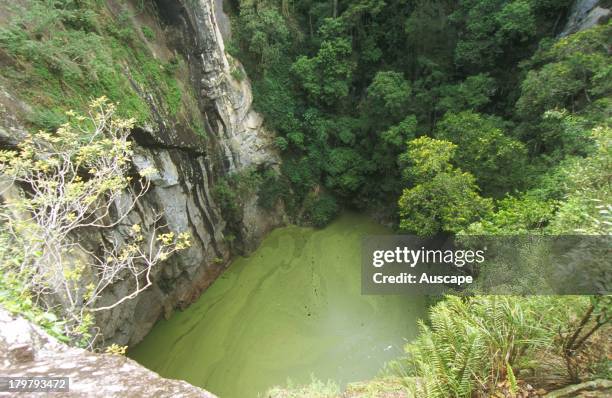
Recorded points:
466,111
466,117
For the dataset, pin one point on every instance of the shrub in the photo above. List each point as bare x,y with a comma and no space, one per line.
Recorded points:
148,33
444,198
73,180
273,188
231,191
320,210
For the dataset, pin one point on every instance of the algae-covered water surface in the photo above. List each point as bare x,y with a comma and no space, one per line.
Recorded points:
290,310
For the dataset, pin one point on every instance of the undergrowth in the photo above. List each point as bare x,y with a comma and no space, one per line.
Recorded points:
60,54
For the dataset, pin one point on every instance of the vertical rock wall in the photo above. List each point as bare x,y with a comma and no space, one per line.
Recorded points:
189,168
188,164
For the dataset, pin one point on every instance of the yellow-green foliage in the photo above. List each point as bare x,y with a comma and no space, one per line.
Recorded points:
116,349
443,198
587,208
15,296
74,177
584,189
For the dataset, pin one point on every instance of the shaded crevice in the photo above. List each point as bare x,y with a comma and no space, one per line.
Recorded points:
147,140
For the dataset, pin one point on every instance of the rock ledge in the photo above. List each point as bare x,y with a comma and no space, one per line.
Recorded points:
26,350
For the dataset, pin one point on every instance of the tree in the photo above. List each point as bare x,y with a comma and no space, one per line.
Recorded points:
471,94
396,136
495,159
320,210
443,198
477,48
425,158
516,21
354,13
562,135
428,32
77,180
550,87
488,27
575,73
326,77
515,215
387,98
263,33
346,170
586,208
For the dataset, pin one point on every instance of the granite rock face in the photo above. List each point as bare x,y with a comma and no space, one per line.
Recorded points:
189,164
26,350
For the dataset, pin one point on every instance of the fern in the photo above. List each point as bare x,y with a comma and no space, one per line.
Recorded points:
511,379
470,344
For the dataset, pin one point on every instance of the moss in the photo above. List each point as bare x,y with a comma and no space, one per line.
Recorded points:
198,127
230,193
173,96
148,33
76,59
121,27
47,119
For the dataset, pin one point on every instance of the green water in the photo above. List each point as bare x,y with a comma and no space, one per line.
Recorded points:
291,309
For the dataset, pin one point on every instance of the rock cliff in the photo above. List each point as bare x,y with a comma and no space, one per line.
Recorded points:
586,13
188,170
189,163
